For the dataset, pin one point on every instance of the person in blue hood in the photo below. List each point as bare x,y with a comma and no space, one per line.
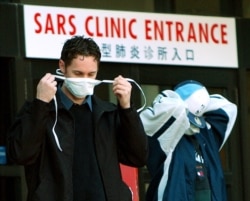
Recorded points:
186,129
71,142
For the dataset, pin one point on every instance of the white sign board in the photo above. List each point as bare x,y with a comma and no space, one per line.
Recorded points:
133,37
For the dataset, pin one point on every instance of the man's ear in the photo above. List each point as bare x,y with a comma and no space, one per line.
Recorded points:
62,66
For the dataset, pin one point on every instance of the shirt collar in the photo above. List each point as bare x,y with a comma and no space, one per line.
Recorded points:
68,103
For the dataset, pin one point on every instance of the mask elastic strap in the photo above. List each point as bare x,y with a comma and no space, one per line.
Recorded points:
139,87
59,76
59,72
53,129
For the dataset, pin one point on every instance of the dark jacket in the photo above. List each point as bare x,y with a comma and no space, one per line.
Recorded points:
119,138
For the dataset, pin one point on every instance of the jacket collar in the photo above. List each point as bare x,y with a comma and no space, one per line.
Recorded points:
98,105
68,103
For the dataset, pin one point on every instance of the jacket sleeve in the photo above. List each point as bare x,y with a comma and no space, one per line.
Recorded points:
221,111
27,133
166,120
133,143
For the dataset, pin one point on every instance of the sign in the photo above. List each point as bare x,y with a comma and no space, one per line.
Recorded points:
133,37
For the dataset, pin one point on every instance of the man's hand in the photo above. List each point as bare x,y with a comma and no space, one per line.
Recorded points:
46,88
122,90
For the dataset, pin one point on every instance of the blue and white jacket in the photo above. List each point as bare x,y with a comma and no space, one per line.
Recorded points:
171,161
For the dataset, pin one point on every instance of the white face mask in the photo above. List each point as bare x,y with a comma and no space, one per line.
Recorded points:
81,87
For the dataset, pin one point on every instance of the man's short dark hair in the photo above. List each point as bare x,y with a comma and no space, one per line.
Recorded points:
79,45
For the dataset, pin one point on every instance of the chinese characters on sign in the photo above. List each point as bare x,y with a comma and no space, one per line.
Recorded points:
148,53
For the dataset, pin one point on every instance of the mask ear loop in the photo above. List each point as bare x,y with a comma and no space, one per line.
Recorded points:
143,95
59,76
133,81
59,72
53,128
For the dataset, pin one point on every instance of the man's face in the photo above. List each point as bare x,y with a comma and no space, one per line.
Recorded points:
80,67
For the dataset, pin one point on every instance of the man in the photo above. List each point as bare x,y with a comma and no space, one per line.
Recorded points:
187,128
70,142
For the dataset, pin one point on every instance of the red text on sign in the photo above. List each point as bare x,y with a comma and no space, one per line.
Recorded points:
182,32
54,24
113,27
